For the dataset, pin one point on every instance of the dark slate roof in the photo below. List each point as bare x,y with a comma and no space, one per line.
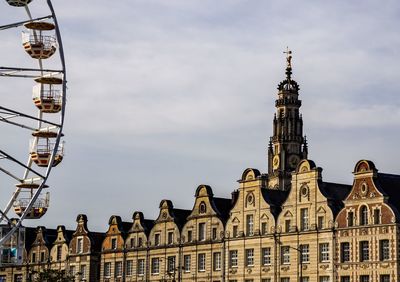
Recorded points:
223,207
126,226
68,235
180,216
147,225
275,198
30,236
389,185
49,235
97,239
335,193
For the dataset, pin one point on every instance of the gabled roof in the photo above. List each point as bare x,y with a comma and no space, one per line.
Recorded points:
389,185
275,198
223,207
147,225
97,239
335,193
180,216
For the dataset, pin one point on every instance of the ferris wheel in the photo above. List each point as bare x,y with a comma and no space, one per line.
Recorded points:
42,121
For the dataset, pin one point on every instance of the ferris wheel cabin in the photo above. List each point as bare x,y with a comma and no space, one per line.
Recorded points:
18,3
37,43
38,209
47,94
42,148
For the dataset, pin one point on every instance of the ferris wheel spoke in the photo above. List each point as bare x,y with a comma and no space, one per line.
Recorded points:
17,24
20,114
4,216
10,71
7,156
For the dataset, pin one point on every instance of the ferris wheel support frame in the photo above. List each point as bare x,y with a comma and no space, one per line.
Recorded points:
3,214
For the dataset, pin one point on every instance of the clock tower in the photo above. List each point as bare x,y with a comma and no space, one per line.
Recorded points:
287,146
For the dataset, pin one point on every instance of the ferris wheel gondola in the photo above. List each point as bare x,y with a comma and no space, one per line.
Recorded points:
41,40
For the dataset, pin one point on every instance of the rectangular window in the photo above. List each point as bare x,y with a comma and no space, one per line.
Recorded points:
202,231
214,233
263,228
217,261
304,219
157,239
113,243
266,280
129,267
287,225
321,222
350,219
186,263
384,278
17,278
377,216
305,253
305,279
79,246
33,257
384,252
235,231
266,256
42,257
324,252
140,242
107,270
324,279
285,254
364,251
118,269
170,238
83,272
140,267
249,225
72,269
249,257
190,236
171,264
233,258
285,279
201,263
132,242
344,278
344,252
364,278
59,253
155,266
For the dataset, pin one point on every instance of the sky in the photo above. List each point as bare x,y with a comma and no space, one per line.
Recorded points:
166,95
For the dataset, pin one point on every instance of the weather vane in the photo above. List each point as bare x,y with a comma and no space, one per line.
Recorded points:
288,57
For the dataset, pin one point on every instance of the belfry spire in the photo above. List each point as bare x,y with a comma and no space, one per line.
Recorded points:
287,145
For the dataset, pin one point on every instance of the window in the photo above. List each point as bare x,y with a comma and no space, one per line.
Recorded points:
264,228
303,219
186,263
118,269
107,270
324,279
129,267
382,278
377,216
364,251
266,280
249,225
79,246
266,256
214,233
305,279
202,231
249,257
321,222
140,267
72,269
170,238
287,225
155,266
157,239
201,263
217,261
364,278
190,236
42,257
324,252
17,278
132,242
3,278
235,231
345,252
233,258
384,252
33,257
83,271
350,218
202,208
305,253
59,253
285,254
363,215
113,243
171,264
248,280
344,278
140,242
285,279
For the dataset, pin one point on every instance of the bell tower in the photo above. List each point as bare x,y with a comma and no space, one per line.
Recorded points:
287,146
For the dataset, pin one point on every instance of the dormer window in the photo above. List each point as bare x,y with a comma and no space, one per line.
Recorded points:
170,238
79,246
59,252
157,239
363,215
113,243
350,219
202,208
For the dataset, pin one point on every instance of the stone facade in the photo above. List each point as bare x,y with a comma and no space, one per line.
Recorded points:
285,225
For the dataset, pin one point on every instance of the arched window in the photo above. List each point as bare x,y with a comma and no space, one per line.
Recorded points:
202,208
363,215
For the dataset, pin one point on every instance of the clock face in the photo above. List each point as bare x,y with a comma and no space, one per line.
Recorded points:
293,161
275,162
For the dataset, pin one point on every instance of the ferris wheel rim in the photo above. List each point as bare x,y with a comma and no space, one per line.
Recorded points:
59,126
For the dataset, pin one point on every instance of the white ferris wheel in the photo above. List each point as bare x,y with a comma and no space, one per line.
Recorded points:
42,122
